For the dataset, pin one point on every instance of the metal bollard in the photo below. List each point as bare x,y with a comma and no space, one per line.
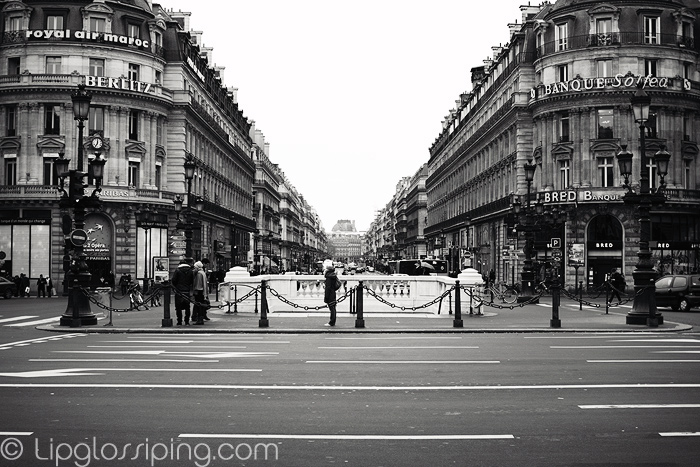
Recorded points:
458,323
450,294
263,322
555,322
580,295
167,320
359,307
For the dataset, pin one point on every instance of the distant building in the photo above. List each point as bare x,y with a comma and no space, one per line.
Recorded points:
345,242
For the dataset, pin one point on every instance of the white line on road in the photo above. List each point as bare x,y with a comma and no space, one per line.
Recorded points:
643,361
622,346
86,371
677,351
641,406
16,433
35,323
695,341
233,341
681,433
119,360
40,339
390,338
393,362
16,318
353,388
408,347
341,437
163,347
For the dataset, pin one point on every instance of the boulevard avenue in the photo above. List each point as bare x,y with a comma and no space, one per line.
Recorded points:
507,399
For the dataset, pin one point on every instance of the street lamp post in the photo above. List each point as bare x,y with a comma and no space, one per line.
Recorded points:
78,311
644,309
145,219
528,274
234,244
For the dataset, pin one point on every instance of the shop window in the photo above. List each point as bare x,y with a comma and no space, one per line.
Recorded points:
134,125
134,174
652,29
606,167
605,123
13,65
53,65
96,121
11,172
52,120
11,120
97,67
28,248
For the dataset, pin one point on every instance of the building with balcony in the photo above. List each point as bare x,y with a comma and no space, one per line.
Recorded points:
558,94
157,100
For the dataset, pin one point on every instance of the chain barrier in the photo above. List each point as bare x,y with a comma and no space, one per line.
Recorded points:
277,295
493,304
244,297
193,301
91,297
439,298
629,298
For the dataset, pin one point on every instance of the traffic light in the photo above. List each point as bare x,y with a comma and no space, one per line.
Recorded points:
77,187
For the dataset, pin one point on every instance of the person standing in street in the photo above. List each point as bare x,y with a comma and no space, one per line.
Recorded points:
331,285
617,282
200,289
24,288
41,286
182,280
49,286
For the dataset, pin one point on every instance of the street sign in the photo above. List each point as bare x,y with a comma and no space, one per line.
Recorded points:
78,237
555,243
178,244
177,252
177,237
556,253
467,254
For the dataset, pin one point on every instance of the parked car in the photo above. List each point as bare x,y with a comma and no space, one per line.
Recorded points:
680,292
7,288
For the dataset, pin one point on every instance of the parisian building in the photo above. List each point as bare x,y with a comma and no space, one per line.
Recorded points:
558,95
345,242
158,100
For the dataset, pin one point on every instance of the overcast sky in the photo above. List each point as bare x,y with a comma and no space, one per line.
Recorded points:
349,94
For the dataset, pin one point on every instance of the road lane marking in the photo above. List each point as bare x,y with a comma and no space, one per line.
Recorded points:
88,371
35,323
643,361
408,347
677,351
163,346
622,346
194,342
390,338
173,354
392,362
40,340
641,406
695,341
16,318
164,360
681,433
16,433
248,387
342,437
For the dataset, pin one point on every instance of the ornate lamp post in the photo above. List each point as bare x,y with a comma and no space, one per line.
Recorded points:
190,165
526,223
78,311
644,309
234,244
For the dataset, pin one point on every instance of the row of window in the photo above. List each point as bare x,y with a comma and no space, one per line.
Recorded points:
95,122
606,173
49,177
604,69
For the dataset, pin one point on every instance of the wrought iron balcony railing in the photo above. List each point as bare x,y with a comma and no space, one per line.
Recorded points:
614,39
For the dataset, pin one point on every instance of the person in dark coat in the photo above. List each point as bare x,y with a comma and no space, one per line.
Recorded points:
617,281
41,286
182,283
23,284
331,286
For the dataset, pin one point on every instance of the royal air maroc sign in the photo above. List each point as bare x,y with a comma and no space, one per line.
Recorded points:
88,36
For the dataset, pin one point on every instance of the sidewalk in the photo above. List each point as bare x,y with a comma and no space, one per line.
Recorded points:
530,318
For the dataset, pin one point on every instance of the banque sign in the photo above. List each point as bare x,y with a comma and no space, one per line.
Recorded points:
572,196
589,84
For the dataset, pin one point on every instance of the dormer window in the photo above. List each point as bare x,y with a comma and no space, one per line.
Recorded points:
97,25
562,36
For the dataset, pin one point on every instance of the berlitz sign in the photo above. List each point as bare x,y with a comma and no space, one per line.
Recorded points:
117,83
577,196
579,84
68,34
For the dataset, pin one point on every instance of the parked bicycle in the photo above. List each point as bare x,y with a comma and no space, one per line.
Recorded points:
500,291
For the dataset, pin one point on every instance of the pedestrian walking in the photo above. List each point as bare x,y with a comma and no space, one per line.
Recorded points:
200,294
41,286
332,284
181,281
617,284
49,286
24,289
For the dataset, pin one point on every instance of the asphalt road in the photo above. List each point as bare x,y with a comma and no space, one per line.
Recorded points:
363,400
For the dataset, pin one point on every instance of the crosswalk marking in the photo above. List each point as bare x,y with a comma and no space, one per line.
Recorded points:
35,323
16,318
